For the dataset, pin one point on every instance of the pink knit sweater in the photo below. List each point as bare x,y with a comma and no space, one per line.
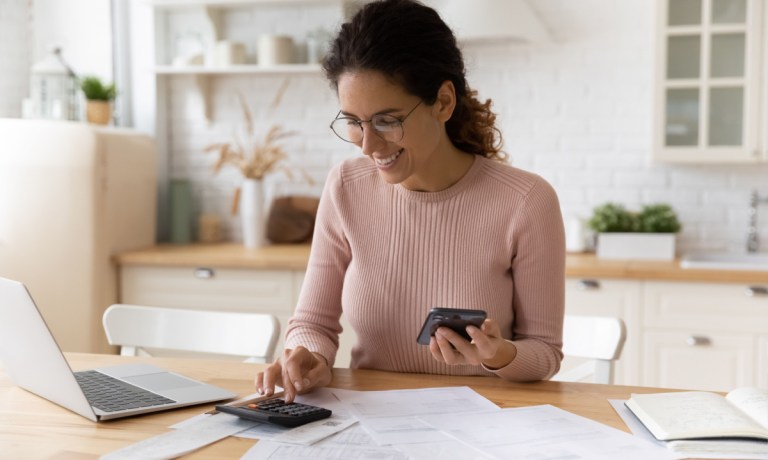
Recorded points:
385,255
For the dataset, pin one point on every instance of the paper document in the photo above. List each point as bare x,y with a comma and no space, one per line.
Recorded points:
305,434
353,442
544,432
392,417
182,441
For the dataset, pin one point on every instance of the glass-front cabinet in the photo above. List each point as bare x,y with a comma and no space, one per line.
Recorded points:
710,103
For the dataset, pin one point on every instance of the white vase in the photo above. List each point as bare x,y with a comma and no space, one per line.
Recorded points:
253,213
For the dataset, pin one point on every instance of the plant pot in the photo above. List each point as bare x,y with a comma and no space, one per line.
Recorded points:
98,112
638,246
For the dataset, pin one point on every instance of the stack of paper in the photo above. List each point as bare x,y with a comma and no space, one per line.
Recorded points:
454,423
457,423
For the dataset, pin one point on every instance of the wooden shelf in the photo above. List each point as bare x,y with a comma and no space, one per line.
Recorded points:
239,69
175,4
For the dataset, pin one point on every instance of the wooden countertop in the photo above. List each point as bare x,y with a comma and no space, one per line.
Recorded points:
294,257
224,255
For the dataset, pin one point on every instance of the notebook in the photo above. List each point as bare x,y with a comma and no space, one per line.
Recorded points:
33,360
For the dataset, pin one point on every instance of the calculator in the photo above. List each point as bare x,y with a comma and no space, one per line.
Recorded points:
276,411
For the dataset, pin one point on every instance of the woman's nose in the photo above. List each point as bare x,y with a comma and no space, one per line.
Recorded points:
371,141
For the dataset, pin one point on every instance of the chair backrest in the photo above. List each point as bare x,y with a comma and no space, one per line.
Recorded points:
598,338
248,335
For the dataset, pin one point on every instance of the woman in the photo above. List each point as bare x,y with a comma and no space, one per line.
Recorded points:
429,216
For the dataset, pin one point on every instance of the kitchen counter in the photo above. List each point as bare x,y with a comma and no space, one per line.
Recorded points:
294,257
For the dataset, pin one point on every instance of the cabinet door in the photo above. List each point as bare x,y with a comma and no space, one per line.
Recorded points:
698,360
610,298
707,81
700,335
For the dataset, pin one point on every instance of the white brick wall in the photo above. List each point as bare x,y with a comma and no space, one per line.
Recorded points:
577,111
14,55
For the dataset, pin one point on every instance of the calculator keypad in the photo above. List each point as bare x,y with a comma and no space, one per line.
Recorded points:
277,411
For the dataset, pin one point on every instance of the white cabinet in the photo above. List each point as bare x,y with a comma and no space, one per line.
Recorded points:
711,361
702,336
710,95
618,298
226,289
682,334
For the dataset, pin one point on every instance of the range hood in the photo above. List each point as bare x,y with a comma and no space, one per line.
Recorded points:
492,20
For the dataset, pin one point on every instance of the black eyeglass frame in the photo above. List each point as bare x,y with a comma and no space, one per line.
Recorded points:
359,124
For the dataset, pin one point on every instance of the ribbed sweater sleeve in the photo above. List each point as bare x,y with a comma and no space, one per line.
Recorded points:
383,256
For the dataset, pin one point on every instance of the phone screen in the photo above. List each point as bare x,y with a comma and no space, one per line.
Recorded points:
456,318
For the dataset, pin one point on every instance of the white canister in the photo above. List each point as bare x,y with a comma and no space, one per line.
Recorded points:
230,53
225,53
275,49
575,234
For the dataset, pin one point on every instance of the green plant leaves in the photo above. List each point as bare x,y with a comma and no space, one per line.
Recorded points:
653,218
95,90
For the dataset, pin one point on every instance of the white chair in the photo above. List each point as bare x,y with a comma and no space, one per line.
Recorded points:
597,338
144,330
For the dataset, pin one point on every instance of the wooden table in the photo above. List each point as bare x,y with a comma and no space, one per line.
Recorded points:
33,428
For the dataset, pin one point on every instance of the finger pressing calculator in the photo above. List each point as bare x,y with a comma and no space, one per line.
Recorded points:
276,411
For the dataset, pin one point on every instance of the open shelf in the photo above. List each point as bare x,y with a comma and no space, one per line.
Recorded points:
238,69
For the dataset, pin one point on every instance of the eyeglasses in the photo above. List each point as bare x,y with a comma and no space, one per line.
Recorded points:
387,127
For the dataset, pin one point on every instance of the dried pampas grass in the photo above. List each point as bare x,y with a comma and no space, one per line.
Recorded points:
253,157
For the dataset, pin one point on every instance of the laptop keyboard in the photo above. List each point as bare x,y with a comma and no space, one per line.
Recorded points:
111,395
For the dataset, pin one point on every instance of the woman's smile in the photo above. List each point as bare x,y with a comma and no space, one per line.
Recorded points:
387,162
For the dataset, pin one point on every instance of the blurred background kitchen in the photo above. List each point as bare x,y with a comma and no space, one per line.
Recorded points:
635,102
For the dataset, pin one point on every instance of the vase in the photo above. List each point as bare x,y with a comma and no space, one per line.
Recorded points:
253,213
98,112
182,212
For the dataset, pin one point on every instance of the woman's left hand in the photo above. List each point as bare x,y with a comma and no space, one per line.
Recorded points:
487,346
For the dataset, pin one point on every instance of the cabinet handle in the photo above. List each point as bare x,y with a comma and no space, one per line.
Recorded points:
698,341
586,285
204,273
756,291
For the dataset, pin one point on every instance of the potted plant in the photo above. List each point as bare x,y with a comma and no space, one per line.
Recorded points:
99,95
647,235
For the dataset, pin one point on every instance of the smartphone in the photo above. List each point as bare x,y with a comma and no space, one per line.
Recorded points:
456,318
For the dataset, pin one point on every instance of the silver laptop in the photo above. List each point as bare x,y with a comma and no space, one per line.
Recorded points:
33,360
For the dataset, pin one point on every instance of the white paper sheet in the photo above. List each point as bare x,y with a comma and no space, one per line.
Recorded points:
392,416
544,432
352,443
175,443
305,434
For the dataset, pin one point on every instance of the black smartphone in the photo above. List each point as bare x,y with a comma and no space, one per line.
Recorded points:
456,318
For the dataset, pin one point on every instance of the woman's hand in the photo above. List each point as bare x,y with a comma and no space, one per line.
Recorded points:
487,346
297,370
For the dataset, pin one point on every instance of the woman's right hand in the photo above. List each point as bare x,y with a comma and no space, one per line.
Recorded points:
297,370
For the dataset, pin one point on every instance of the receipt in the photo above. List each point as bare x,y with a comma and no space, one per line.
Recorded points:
184,440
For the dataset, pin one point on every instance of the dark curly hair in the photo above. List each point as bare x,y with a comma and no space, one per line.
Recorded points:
409,43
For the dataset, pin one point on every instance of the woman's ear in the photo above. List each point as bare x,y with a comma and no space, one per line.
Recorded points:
445,102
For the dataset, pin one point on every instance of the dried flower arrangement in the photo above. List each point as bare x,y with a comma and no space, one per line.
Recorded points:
255,158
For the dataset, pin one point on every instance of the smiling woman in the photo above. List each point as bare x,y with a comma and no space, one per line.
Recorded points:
430,216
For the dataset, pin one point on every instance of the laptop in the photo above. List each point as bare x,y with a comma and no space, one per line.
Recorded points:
33,360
